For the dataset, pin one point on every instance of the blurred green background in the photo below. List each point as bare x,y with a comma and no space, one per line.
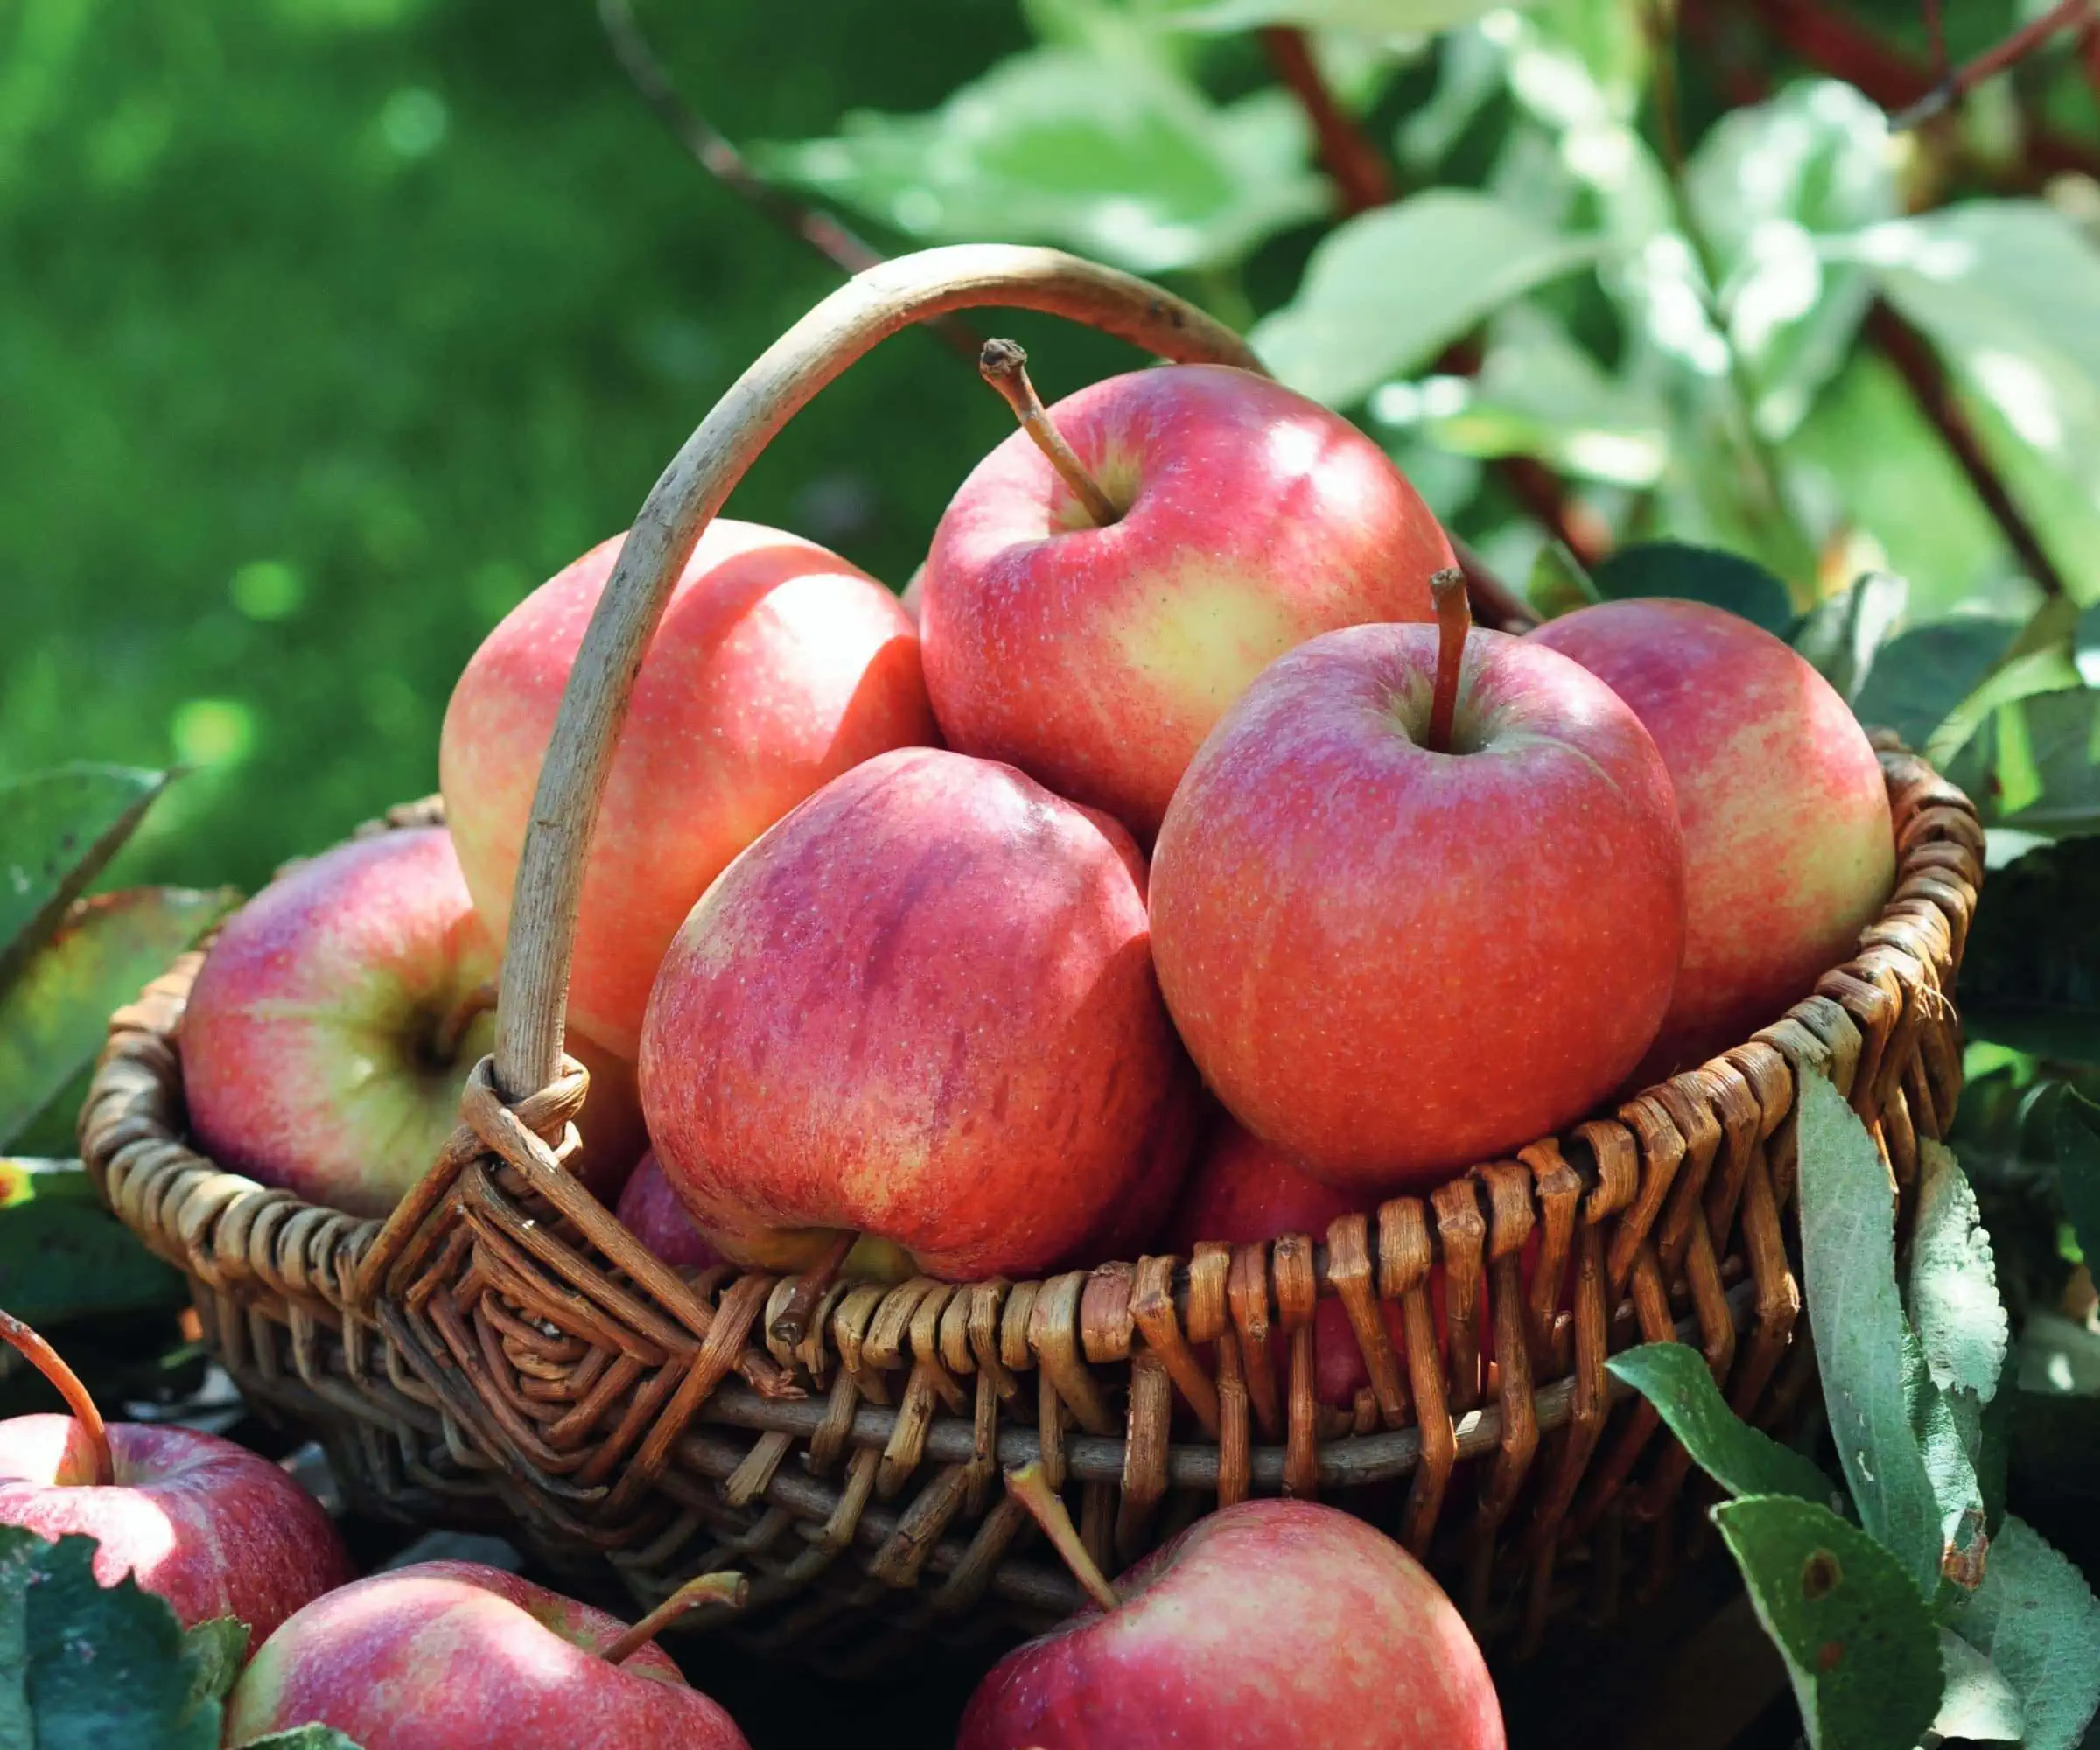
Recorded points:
330,327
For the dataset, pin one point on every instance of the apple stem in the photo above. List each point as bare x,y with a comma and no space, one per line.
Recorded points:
51,1365
718,1588
1454,620
1004,365
1032,1488
453,1026
793,1323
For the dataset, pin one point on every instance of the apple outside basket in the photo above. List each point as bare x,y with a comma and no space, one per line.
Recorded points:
499,1349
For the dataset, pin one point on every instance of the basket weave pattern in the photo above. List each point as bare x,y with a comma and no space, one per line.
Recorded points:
514,1351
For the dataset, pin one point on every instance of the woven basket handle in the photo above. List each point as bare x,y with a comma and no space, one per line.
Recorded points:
868,308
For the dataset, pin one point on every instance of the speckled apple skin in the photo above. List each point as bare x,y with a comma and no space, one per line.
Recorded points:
213,1528
650,1210
776,666
921,1006
1393,962
1790,850
1098,659
1267,1623
455,1656
302,1041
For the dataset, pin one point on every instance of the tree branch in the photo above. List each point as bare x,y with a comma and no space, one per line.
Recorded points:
1913,357
715,153
1356,167
1951,87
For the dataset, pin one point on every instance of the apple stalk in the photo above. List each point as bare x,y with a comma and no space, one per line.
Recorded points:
1004,365
715,1588
1029,1486
791,1325
1454,619
47,1361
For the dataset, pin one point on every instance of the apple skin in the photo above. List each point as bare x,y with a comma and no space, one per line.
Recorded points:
650,1210
1268,1622
776,666
1097,659
1790,850
455,1656
214,1528
1393,962
310,1043
922,1007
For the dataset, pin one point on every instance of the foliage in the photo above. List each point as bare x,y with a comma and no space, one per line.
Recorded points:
1935,1606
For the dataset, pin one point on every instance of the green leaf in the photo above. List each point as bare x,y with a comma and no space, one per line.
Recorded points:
217,1649
1765,184
1865,1349
2042,760
84,1667
62,1258
1859,1643
2030,974
53,1018
1380,18
1922,674
58,829
1978,1702
1558,582
1842,635
1388,290
2077,1140
1701,574
1118,157
309,1737
1744,1460
2036,1620
2005,290
1953,1288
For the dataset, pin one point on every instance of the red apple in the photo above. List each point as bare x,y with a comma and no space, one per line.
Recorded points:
776,666
921,1008
1788,849
1393,962
1270,1622
1097,658
335,1019
454,1656
214,1528
650,1210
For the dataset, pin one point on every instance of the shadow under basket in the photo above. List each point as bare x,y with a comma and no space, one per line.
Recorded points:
515,1368
500,1350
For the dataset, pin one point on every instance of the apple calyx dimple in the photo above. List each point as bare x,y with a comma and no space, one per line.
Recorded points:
1454,619
1030,1485
47,1361
1004,365
451,1030
717,1588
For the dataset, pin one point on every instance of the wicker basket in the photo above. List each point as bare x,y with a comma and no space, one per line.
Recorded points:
501,1348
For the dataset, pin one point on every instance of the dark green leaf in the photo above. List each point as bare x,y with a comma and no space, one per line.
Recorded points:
2078,1167
2033,763
217,1650
1386,291
1953,1285
2031,972
58,829
53,1018
304,1738
1978,1702
1842,635
1859,1644
1118,156
62,1258
1866,1352
1703,574
2036,1620
23,1180
88,1667
1921,676
1744,1460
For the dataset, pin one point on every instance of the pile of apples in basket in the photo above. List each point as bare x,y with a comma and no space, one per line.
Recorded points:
1174,861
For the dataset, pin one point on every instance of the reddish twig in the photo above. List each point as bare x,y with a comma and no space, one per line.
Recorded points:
1357,168
1951,87
1936,32
1913,357
716,154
